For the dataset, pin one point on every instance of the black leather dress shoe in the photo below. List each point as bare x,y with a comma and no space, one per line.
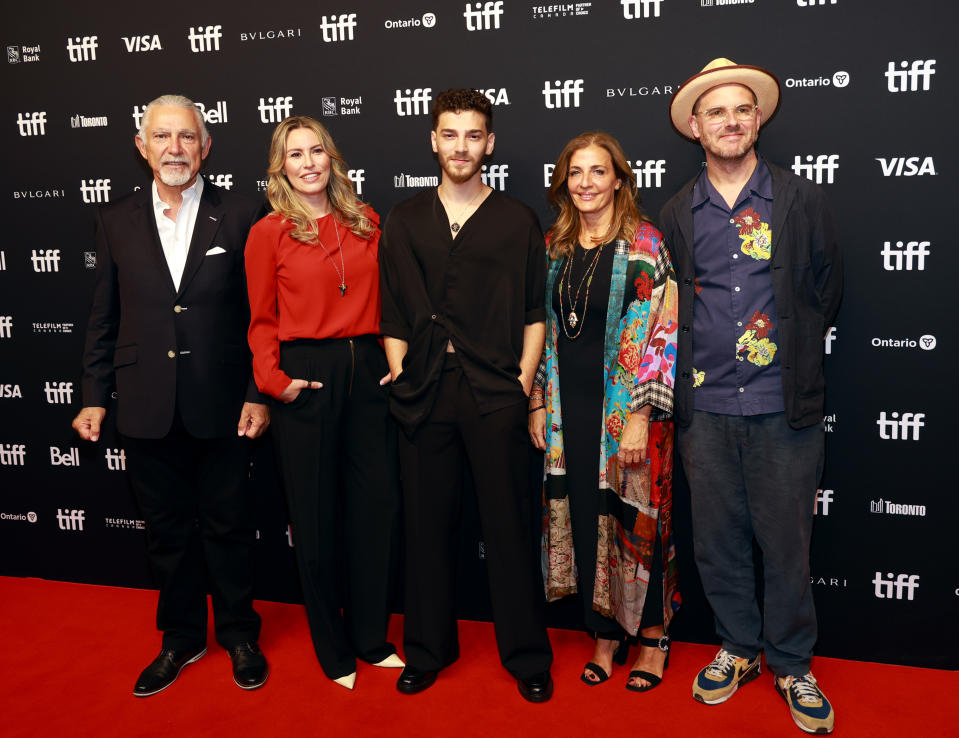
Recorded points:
164,670
250,669
414,680
538,688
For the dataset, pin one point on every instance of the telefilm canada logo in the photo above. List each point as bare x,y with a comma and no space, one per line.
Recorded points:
560,10
125,523
886,507
50,327
23,54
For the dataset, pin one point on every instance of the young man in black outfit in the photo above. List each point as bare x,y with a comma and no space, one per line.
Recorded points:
463,283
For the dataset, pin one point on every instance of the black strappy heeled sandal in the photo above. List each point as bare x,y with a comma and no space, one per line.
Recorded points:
663,645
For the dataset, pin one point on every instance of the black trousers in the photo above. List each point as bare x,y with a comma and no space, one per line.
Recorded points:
194,496
496,447
336,451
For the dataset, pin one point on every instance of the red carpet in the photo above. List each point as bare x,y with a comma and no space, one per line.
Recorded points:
72,652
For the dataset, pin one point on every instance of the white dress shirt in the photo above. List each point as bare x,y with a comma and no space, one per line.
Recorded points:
175,236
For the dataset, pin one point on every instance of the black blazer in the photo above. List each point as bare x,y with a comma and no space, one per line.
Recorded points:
806,270
159,348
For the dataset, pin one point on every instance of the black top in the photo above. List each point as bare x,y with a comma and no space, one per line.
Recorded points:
478,290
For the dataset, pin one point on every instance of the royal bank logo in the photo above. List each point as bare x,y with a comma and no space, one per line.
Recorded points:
221,180
638,9
71,520
824,498
82,48
30,517
273,110
6,326
926,342
561,10
357,177
829,423
838,79
894,586
13,454
821,168
402,181
45,260
830,339
336,28
565,94
70,457
648,173
483,16
427,20
32,124
495,176
95,190
88,121
205,38
125,523
904,256
906,166
270,35
20,54
89,259
885,507
341,105
49,327
414,101
116,459
138,44
915,76
900,426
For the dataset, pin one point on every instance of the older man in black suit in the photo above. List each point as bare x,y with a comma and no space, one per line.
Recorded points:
167,338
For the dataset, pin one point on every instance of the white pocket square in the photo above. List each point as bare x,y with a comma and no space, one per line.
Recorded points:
216,250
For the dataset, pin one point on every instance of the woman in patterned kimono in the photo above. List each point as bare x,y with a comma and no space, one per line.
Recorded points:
611,336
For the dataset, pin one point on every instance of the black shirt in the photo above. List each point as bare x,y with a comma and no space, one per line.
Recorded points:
478,290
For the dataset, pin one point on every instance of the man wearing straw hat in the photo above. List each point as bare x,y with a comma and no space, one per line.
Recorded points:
760,278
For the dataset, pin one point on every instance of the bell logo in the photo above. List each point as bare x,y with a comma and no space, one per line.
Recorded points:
902,257
205,38
116,459
895,428
142,43
45,260
70,458
70,519
635,9
824,164
823,500
95,190
58,393
13,454
902,166
485,16
892,586
564,94
907,78
338,28
650,173
221,180
273,110
81,49
32,124
357,178
830,337
415,102
6,326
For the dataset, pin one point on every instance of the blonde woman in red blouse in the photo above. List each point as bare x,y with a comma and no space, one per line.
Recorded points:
313,281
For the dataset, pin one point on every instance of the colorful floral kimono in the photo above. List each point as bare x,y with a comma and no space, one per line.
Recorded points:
640,362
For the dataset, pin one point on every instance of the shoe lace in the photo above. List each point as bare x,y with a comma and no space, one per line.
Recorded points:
721,664
804,689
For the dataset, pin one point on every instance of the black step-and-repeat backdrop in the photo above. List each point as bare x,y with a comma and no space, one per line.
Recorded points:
868,110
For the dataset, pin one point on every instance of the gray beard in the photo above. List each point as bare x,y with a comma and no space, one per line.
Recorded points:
174,179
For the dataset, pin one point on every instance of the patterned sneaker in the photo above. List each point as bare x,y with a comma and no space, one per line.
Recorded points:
810,709
717,682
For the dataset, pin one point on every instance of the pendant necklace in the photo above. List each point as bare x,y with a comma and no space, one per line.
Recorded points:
341,270
571,317
455,225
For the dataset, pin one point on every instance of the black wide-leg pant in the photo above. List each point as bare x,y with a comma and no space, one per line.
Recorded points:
194,496
336,451
496,446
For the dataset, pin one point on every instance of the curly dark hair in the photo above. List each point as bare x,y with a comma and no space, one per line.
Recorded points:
459,101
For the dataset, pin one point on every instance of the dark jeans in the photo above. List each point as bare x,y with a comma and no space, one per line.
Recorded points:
754,476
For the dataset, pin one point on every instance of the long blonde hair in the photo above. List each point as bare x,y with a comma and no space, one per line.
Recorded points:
627,215
344,204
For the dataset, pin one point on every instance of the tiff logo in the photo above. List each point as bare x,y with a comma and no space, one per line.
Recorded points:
823,500
357,178
907,78
830,337
6,326
82,49
495,176
13,454
70,519
886,586
95,190
70,458
116,459
825,163
58,393
338,28
564,95
34,125
650,173
898,258
273,110
205,38
634,9
415,102
898,428
221,180
485,17
45,260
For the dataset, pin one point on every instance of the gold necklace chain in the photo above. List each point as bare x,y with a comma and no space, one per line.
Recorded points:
571,317
341,274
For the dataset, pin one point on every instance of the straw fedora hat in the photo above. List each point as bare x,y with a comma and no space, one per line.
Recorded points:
723,71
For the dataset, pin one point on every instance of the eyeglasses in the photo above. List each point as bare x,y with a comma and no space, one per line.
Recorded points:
721,115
